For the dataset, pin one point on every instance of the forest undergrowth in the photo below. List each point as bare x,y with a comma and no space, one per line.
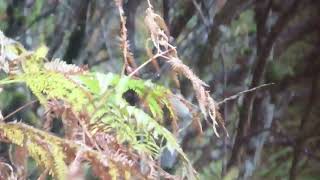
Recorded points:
113,122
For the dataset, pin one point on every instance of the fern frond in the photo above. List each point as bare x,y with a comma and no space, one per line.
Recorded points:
206,103
129,62
57,65
95,103
55,154
160,37
46,150
34,61
51,85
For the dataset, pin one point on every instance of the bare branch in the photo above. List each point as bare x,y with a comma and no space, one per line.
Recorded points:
244,92
19,109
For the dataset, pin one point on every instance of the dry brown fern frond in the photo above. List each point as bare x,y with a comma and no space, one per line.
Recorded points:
158,29
18,157
107,144
129,62
47,149
59,109
206,103
57,65
160,37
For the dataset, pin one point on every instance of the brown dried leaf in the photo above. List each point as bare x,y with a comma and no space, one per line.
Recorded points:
57,65
158,30
18,158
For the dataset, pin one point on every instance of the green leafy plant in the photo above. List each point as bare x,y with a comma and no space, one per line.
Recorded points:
115,122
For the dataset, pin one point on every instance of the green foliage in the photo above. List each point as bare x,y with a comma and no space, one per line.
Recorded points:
45,149
97,102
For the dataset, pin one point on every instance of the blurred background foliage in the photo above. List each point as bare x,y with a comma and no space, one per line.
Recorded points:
233,45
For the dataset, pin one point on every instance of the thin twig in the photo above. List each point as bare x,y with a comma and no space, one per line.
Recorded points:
243,92
19,109
127,55
149,60
205,21
123,36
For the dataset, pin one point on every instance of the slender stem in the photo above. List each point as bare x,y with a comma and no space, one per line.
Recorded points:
19,109
148,61
243,92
